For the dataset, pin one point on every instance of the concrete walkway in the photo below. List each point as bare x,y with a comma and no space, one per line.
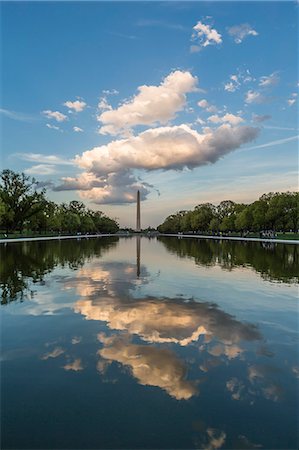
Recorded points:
197,236
51,238
234,238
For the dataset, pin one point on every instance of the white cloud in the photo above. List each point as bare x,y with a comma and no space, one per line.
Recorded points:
77,130
41,169
115,188
204,104
14,115
165,148
230,87
270,80
227,118
254,97
151,105
104,105
108,178
236,80
47,159
110,92
291,101
262,118
52,127
204,35
76,106
240,32
233,84
58,116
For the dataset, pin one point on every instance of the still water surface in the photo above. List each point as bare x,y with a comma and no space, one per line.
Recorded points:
149,343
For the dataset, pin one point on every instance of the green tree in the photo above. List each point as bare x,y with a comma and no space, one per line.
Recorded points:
70,222
214,225
20,198
87,224
244,219
202,216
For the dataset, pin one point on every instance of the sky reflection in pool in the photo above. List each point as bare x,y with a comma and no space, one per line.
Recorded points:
129,343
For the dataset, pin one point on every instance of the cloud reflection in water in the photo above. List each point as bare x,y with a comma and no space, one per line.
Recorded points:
151,366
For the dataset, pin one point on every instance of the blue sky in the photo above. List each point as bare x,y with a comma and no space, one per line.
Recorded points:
217,118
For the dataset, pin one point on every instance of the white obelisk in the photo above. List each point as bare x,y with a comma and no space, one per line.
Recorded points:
138,227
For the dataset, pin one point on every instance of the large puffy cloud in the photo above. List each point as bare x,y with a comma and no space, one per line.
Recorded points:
154,320
165,148
108,178
170,321
114,188
151,366
120,188
151,105
108,171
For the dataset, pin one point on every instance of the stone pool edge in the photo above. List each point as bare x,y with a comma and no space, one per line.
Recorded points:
233,238
197,236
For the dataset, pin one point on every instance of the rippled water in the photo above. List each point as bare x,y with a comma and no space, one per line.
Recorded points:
149,343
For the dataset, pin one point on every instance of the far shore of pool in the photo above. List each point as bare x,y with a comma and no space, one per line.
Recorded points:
194,236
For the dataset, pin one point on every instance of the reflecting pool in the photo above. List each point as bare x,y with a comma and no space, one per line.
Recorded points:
149,343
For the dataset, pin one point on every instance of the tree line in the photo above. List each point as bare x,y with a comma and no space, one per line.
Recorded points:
276,211
272,261
25,265
24,206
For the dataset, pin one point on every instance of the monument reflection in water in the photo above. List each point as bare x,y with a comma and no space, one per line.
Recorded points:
146,343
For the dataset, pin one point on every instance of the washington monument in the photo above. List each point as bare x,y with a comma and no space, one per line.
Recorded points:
138,228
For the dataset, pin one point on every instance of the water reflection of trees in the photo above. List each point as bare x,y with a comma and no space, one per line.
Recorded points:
276,262
23,264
